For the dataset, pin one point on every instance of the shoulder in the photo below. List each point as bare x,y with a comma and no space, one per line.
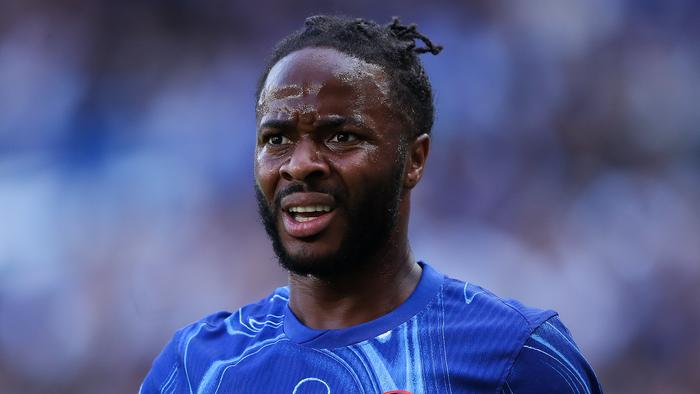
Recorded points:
516,347
213,334
492,337
261,318
482,307
538,353
550,361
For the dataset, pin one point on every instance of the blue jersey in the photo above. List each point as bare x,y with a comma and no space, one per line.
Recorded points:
447,337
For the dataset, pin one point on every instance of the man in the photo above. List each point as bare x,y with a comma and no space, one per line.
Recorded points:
344,116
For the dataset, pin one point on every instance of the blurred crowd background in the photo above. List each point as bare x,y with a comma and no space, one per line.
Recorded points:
563,172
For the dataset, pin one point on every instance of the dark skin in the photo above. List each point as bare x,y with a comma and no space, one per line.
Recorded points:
325,122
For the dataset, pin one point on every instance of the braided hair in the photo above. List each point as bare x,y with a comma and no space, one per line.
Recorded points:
392,47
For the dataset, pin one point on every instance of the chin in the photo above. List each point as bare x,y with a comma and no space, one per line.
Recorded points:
305,261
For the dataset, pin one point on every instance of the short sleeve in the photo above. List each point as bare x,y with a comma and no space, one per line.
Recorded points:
550,362
166,371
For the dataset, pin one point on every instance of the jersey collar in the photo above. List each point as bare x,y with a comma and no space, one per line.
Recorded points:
424,293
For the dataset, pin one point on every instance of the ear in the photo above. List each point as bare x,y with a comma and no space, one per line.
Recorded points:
417,155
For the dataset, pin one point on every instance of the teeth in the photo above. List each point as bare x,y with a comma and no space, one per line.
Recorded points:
302,218
311,208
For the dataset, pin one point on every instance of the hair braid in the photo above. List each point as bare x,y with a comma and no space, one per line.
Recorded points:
409,33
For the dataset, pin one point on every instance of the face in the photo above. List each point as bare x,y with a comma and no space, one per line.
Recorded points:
329,162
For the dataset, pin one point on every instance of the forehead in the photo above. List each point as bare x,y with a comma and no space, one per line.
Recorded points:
315,71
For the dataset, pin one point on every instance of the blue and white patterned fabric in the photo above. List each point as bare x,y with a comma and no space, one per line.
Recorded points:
448,337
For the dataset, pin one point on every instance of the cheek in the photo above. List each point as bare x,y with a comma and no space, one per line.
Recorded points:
367,166
266,174
357,162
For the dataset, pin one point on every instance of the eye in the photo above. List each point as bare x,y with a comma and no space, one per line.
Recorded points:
344,137
278,139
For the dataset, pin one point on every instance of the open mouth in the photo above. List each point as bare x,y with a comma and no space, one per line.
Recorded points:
303,221
304,214
307,214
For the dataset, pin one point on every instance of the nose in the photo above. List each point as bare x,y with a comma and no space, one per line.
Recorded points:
305,162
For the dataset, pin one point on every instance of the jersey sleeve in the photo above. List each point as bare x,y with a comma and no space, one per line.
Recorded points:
550,362
166,372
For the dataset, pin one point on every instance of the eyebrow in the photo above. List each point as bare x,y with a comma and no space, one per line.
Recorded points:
337,120
282,124
323,122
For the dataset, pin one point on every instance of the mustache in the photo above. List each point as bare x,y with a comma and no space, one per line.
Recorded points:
299,187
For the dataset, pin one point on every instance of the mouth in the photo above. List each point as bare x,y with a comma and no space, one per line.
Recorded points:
307,214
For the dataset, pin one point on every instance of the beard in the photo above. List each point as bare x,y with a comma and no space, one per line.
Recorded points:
370,222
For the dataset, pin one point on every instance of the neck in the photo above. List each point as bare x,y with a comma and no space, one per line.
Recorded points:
386,282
